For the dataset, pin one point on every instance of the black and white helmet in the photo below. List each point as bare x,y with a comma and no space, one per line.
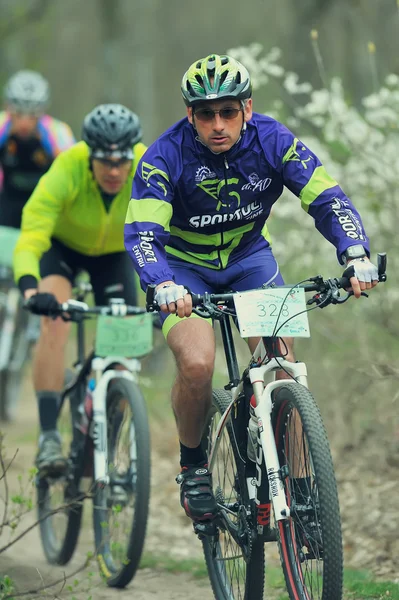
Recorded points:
27,91
111,129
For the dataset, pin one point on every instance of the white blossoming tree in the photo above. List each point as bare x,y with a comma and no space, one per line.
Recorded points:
354,346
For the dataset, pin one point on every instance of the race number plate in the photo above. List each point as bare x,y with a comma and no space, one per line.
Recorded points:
8,239
129,337
262,312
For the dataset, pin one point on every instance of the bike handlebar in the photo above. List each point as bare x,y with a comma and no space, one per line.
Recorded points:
327,292
73,310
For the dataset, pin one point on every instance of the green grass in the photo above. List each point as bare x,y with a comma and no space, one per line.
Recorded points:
360,584
357,584
196,567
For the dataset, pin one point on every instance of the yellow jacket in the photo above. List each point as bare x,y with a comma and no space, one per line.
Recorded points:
67,205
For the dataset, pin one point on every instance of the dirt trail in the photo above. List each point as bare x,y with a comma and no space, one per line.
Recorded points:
147,584
370,534
169,531
25,562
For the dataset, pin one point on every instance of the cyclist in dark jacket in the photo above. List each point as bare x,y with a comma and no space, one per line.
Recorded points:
29,142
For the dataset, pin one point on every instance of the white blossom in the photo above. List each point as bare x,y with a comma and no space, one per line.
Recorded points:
392,80
358,146
293,87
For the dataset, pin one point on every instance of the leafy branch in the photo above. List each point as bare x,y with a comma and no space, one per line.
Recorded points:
25,505
62,580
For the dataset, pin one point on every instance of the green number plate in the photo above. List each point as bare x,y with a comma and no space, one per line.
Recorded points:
129,337
8,239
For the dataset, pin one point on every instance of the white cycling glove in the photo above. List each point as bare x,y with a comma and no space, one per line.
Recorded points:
170,293
363,269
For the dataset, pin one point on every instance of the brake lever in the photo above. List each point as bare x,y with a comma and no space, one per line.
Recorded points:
339,300
202,312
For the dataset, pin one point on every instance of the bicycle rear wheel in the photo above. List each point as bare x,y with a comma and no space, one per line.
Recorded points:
120,509
310,541
236,570
60,528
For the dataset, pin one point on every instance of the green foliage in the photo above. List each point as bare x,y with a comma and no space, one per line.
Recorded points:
360,584
195,567
357,584
6,586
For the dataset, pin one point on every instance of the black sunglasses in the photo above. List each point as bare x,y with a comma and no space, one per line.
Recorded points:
207,114
111,164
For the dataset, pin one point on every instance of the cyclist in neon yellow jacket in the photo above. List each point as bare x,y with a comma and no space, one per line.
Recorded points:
74,221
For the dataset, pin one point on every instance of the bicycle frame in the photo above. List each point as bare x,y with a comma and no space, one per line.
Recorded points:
103,376
263,394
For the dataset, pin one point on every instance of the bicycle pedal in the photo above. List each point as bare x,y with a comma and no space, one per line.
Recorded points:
205,529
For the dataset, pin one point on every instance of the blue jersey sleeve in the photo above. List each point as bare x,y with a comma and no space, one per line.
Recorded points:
147,228
335,215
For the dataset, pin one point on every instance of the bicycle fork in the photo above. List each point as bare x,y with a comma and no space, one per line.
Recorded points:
266,441
99,423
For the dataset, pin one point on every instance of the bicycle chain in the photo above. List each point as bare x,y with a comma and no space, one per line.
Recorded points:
248,533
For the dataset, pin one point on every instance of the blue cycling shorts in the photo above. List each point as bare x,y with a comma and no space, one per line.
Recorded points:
249,273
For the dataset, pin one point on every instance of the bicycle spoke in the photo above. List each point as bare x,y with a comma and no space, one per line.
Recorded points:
118,500
223,552
121,507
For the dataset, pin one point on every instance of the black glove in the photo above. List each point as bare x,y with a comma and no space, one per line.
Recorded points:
43,304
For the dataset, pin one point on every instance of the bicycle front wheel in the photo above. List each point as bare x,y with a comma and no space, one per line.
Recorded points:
60,527
310,541
234,557
120,509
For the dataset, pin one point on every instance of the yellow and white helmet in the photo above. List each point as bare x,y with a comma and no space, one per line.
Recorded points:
215,77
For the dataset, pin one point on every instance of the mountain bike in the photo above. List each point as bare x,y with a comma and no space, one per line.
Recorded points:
18,330
285,493
110,442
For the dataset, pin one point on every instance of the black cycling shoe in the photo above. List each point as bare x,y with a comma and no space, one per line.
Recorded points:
196,495
49,460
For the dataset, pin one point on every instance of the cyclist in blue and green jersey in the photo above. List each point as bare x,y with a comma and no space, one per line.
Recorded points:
201,197
29,142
